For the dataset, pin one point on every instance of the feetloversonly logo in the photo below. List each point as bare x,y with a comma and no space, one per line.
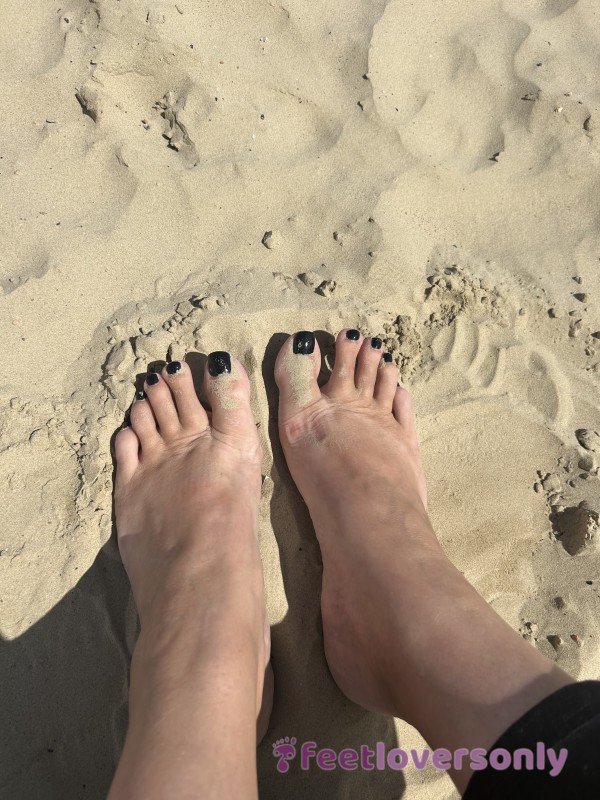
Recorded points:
541,758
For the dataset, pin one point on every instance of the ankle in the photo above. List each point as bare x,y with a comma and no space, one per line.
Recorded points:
225,586
207,645
379,529
196,677
184,649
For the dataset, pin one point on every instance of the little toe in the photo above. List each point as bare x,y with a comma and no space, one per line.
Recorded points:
143,422
369,359
296,370
347,347
228,390
386,382
160,398
178,377
127,449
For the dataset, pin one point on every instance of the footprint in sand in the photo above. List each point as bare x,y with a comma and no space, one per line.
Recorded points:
477,354
493,407
483,401
472,361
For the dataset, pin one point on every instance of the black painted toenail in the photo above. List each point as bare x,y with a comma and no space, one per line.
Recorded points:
353,335
376,343
173,367
387,357
140,395
304,343
152,379
219,363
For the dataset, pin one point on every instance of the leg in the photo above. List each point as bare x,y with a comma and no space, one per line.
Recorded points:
405,633
186,502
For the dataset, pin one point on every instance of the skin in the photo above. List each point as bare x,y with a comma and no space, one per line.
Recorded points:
186,501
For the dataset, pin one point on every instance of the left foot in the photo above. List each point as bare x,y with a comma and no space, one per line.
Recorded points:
186,502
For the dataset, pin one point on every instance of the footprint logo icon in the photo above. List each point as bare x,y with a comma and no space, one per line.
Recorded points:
285,751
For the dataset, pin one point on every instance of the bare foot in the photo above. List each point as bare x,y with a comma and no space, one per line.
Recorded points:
404,632
352,449
186,503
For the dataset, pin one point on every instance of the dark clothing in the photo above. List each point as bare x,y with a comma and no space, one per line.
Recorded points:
569,718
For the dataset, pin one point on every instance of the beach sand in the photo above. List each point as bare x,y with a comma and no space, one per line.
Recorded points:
183,177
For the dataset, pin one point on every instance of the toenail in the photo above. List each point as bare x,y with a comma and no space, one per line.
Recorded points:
376,343
387,357
353,335
304,343
173,367
219,363
140,395
152,379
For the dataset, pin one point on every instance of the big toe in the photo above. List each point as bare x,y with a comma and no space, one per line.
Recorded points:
296,370
227,388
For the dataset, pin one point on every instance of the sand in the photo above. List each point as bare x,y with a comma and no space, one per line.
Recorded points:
184,177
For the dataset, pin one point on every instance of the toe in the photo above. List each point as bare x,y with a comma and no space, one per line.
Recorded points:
404,413
160,398
347,346
227,388
386,383
402,408
127,448
369,359
178,377
143,423
296,369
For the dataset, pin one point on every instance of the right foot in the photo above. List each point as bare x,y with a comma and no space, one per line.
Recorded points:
352,449
404,633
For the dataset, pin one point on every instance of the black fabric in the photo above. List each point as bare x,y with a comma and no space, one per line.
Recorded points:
569,718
